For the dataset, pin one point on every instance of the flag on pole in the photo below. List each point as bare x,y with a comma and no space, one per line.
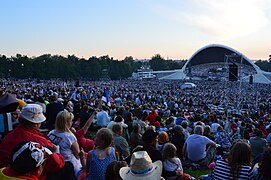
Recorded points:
106,97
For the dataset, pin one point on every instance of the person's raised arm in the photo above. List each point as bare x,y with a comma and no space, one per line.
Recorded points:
89,122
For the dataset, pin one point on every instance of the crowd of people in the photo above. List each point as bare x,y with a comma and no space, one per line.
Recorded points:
134,130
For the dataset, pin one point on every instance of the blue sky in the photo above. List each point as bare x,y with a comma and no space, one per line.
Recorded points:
174,29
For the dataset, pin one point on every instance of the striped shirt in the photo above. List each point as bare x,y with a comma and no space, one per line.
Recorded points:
223,171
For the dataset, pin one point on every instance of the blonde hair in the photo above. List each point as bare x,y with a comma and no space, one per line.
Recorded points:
62,120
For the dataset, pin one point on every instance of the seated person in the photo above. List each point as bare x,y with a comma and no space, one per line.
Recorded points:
237,165
27,161
112,170
30,119
135,137
120,142
98,159
263,172
142,167
195,147
170,161
223,139
66,140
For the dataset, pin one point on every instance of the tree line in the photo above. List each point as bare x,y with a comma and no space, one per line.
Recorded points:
49,66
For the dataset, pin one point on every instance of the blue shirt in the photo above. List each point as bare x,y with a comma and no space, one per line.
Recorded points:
102,118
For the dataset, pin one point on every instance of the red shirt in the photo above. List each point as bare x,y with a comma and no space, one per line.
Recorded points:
86,144
21,133
152,117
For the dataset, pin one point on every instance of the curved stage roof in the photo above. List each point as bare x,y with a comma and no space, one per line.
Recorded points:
216,53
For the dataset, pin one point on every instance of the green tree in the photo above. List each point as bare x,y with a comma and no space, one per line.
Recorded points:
4,66
157,62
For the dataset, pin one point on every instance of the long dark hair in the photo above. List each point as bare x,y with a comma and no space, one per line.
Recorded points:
240,154
265,165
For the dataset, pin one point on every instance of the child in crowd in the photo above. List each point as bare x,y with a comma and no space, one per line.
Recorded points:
112,171
162,140
170,161
98,159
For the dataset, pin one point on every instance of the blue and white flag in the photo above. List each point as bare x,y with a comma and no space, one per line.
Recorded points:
106,97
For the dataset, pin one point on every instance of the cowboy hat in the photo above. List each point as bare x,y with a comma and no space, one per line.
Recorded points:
141,166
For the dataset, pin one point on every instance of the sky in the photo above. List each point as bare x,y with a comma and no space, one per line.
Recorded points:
175,29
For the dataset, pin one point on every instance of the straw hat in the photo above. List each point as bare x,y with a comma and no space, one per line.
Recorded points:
142,167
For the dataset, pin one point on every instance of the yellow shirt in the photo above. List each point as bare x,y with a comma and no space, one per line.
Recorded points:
6,177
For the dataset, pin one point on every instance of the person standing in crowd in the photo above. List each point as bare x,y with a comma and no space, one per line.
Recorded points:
129,121
235,135
143,125
171,105
263,129
214,126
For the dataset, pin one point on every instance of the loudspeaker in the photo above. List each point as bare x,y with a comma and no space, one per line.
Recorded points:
233,72
251,79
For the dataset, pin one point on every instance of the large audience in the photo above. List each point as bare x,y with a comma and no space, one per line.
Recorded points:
134,129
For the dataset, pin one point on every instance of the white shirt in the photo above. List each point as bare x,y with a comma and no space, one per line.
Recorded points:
65,141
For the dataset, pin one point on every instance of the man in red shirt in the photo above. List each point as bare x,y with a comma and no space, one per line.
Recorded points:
30,120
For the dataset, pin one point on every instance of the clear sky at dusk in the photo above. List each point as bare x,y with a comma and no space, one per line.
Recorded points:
137,28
